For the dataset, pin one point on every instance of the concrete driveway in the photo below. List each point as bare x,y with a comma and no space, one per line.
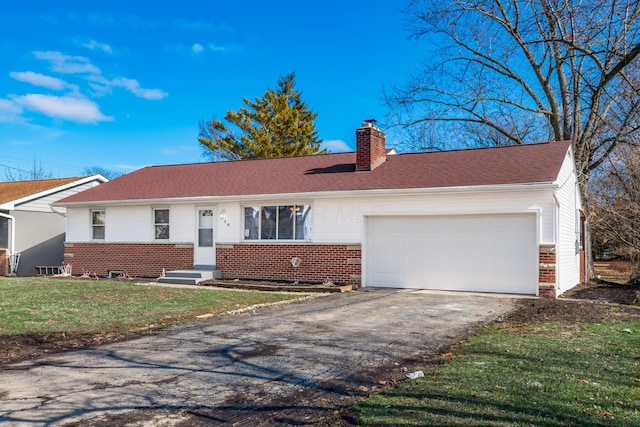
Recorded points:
275,365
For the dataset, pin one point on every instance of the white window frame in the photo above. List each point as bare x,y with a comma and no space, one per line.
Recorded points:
95,226
260,207
157,224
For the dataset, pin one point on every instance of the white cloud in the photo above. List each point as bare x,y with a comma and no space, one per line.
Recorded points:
336,146
69,108
42,80
197,48
133,86
67,64
93,44
9,111
8,106
100,89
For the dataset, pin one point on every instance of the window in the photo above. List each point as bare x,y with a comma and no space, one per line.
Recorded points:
97,224
205,228
161,223
282,222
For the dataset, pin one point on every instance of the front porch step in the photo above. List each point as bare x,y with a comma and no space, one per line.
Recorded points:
190,277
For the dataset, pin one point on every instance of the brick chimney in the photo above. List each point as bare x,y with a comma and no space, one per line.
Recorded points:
370,147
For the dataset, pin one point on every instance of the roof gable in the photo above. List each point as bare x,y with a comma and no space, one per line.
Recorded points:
14,191
522,164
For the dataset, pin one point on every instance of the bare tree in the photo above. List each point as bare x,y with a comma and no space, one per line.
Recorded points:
36,171
615,203
107,173
520,71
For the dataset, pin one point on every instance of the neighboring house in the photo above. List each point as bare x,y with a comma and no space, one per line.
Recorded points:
30,226
501,219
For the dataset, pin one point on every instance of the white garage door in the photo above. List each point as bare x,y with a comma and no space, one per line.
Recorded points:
483,253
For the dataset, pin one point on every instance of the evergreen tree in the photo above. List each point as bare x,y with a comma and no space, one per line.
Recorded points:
277,125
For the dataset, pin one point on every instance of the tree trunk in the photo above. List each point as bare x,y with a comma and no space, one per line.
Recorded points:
583,185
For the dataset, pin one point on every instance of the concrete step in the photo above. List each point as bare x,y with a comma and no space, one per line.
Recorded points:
178,281
190,277
188,273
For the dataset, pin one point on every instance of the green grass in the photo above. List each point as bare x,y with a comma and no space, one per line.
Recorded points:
553,376
55,305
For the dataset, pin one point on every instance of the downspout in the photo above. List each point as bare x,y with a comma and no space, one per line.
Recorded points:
556,237
12,242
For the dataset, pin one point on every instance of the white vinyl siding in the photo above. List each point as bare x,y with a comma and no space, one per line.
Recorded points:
341,220
129,224
43,204
567,251
34,228
335,220
182,223
78,225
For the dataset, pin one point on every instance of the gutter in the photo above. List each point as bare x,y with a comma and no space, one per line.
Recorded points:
318,194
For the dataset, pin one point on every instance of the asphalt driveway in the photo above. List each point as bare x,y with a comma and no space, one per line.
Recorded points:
276,365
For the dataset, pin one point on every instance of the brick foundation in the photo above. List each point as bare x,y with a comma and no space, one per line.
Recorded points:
135,259
340,264
547,283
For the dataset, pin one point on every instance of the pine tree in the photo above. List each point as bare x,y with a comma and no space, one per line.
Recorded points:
277,125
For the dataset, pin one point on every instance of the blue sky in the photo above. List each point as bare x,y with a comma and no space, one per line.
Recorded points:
122,85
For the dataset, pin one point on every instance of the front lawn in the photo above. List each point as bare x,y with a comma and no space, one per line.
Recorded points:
548,374
41,305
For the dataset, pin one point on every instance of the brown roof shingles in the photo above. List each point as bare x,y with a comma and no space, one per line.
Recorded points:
533,163
15,190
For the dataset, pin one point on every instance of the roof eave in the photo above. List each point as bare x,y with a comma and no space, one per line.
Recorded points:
13,203
317,195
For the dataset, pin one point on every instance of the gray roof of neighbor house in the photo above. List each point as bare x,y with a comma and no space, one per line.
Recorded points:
519,164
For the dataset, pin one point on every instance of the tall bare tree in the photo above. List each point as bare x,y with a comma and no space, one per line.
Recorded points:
35,172
518,71
615,204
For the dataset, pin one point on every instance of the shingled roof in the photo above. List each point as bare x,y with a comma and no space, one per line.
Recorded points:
521,164
15,190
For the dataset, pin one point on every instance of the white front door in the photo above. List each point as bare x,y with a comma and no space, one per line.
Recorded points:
205,245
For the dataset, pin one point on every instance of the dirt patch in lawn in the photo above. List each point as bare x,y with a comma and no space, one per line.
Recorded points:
14,348
602,290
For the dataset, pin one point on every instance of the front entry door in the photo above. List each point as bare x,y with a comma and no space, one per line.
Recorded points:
205,245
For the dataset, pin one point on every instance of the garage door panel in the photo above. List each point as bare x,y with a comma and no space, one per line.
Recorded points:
487,253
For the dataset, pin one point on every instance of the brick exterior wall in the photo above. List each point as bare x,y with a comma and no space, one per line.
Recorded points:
371,151
340,264
4,262
135,259
547,284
